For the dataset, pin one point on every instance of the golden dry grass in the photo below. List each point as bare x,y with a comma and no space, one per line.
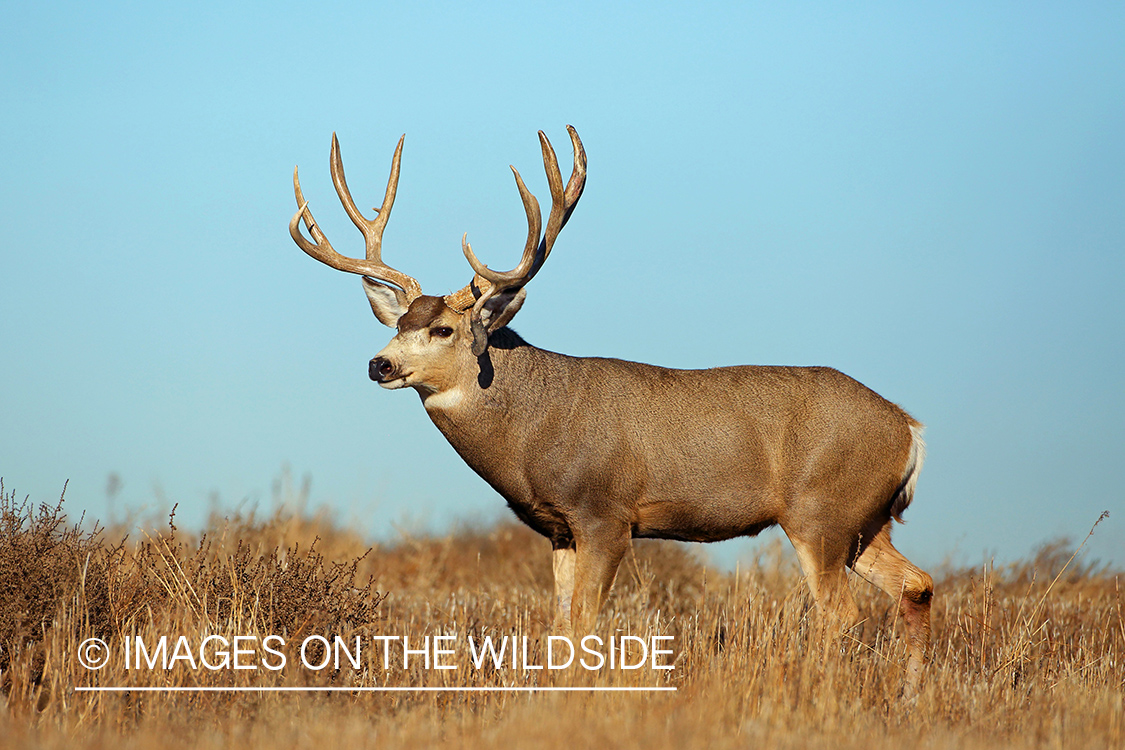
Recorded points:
1018,660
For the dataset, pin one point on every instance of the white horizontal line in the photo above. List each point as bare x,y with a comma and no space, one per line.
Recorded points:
362,689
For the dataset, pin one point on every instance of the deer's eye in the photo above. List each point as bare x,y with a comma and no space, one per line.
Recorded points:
443,332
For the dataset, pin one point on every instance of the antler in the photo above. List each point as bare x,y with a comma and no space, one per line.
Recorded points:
372,229
535,252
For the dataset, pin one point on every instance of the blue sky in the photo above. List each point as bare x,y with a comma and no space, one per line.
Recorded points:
929,199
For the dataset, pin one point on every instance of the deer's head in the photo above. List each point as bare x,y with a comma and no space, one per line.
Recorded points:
440,340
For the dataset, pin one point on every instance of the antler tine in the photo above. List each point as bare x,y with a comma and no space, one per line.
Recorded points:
486,282
372,229
500,279
320,248
577,182
558,199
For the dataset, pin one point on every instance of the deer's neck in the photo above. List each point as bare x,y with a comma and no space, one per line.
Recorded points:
489,417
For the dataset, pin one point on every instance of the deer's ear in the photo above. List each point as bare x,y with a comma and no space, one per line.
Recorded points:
496,313
500,310
388,303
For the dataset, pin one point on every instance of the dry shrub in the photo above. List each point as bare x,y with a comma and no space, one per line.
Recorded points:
44,562
236,578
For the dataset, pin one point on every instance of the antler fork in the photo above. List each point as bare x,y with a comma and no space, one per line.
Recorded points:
372,229
535,251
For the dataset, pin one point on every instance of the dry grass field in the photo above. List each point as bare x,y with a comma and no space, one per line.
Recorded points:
1022,656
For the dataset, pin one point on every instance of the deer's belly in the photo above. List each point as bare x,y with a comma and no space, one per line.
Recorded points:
703,517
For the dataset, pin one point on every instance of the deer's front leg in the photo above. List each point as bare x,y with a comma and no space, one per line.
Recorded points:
564,584
598,553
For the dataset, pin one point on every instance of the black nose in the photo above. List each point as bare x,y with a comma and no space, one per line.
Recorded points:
379,368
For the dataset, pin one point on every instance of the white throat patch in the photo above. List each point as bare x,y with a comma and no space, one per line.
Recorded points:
445,400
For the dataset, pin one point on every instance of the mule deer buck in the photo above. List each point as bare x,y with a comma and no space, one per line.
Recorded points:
593,452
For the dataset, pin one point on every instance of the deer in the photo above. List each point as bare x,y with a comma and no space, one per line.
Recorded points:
593,452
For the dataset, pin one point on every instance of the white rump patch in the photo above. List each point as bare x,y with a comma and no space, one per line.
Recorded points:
914,463
917,458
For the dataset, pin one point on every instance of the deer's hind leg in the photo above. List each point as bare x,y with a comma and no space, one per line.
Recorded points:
885,567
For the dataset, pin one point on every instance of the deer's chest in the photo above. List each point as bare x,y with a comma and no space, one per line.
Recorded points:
546,520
